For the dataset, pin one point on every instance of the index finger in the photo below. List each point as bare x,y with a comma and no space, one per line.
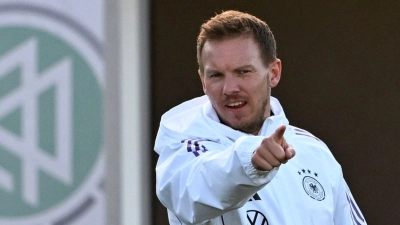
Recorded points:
277,136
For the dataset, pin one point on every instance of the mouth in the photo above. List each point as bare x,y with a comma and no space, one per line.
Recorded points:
235,105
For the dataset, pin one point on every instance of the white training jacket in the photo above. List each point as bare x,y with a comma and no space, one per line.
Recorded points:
205,175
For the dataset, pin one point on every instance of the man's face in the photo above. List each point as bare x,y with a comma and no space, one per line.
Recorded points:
237,82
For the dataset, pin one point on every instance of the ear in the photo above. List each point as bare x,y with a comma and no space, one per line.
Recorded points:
276,69
202,81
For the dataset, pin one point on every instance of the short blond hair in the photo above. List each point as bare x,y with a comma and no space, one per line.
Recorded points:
232,23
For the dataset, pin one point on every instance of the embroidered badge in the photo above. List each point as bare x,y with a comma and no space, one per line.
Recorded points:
311,185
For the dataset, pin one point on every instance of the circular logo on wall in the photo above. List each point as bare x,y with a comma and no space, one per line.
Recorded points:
313,188
51,84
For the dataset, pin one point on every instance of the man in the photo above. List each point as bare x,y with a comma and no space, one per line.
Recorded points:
231,157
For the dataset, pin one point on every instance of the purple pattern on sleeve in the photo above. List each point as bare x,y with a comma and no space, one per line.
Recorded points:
302,132
193,146
355,211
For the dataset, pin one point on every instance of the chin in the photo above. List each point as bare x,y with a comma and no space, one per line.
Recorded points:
240,124
243,127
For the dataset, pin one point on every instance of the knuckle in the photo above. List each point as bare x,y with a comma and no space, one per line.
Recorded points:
275,164
267,141
269,168
264,142
255,153
281,157
254,158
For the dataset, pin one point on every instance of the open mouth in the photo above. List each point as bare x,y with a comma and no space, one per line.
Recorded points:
235,105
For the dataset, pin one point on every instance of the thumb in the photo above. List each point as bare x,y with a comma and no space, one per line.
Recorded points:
278,135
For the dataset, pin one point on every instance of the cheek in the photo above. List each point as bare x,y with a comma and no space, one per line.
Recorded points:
212,90
261,90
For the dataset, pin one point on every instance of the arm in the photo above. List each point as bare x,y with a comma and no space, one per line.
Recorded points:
346,209
198,186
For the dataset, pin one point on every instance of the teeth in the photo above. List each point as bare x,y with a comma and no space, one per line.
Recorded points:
235,104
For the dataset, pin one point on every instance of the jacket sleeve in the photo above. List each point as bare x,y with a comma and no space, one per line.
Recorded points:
346,209
199,180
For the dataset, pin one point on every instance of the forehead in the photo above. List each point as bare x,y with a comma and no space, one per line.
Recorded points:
231,51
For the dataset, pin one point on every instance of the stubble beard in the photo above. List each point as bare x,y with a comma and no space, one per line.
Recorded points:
254,124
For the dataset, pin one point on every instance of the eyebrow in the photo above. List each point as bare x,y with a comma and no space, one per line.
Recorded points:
212,70
238,68
244,67
207,71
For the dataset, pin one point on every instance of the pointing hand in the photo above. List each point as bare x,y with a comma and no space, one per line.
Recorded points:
273,151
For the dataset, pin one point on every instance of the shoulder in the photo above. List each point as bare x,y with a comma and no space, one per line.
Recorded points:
308,144
303,133
184,108
183,122
181,116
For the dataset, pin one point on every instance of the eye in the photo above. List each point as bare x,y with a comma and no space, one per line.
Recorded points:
244,71
215,75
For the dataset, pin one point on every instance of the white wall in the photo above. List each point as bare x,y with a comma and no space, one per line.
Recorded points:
127,112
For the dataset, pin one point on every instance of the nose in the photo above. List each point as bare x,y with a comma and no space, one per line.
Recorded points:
231,85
